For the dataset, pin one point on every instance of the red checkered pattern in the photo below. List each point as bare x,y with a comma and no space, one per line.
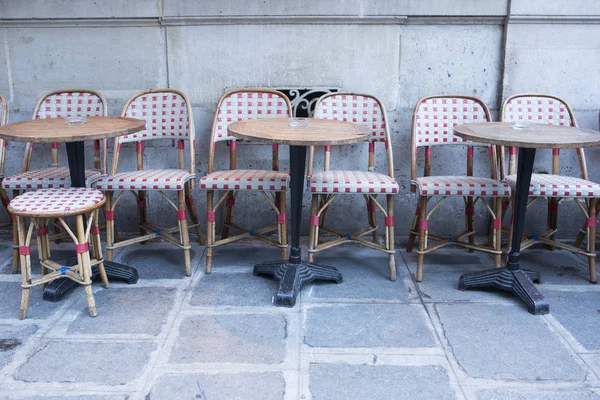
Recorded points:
247,105
152,179
461,186
246,179
59,105
548,185
47,178
352,182
55,200
354,108
435,118
165,113
537,109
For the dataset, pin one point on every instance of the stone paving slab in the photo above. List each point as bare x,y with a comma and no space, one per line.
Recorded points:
506,342
12,339
129,310
368,325
159,260
219,386
241,338
366,276
579,313
242,255
539,394
381,382
234,289
61,397
556,267
10,301
108,363
448,259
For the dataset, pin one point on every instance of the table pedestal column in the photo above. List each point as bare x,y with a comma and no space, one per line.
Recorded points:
294,273
512,278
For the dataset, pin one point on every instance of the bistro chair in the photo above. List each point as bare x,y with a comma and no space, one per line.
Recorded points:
326,185
547,109
233,106
42,206
432,123
168,115
57,104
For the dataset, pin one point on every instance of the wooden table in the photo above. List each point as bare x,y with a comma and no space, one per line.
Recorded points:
54,130
293,273
512,278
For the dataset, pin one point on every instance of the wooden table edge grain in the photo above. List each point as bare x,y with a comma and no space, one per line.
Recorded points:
51,130
536,136
318,132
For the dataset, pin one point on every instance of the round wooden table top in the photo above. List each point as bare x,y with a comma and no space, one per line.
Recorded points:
317,132
532,135
51,130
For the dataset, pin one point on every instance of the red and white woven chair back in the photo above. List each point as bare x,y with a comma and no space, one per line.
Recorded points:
242,104
538,109
59,104
361,109
167,115
434,117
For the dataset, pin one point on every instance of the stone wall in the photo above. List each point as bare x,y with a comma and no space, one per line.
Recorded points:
398,50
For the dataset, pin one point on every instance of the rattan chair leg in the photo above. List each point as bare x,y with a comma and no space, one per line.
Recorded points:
580,236
283,238
313,238
228,215
15,258
412,236
85,267
390,236
43,246
110,225
142,212
97,248
422,236
497,233
470,221
372,218
191,207
183,231
210,230
591,242
25,262
553,218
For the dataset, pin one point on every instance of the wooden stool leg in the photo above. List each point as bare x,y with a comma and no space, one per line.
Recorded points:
313,238
423,228
591,242
15,232
390,235
97,248
229,203
110,225
411,235
282,222
85,268
25,265
497,233
183,231
191,207
372,218
210,229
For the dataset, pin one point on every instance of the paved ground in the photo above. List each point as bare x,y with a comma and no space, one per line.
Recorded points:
218,336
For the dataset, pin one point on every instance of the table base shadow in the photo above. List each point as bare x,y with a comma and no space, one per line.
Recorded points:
519,282
57,289
292,276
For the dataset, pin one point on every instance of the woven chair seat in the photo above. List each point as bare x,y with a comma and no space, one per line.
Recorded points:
246,179
46,178
461,186
148,179
548,185
352,182
56,202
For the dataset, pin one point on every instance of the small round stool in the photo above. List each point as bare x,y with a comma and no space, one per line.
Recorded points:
42,207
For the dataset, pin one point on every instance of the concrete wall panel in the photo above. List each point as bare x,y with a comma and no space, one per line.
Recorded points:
545,7
117,62
79,8
207,60
4,75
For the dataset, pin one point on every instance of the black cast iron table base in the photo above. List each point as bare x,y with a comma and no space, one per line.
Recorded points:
291,277
512,278
57,289
518,281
